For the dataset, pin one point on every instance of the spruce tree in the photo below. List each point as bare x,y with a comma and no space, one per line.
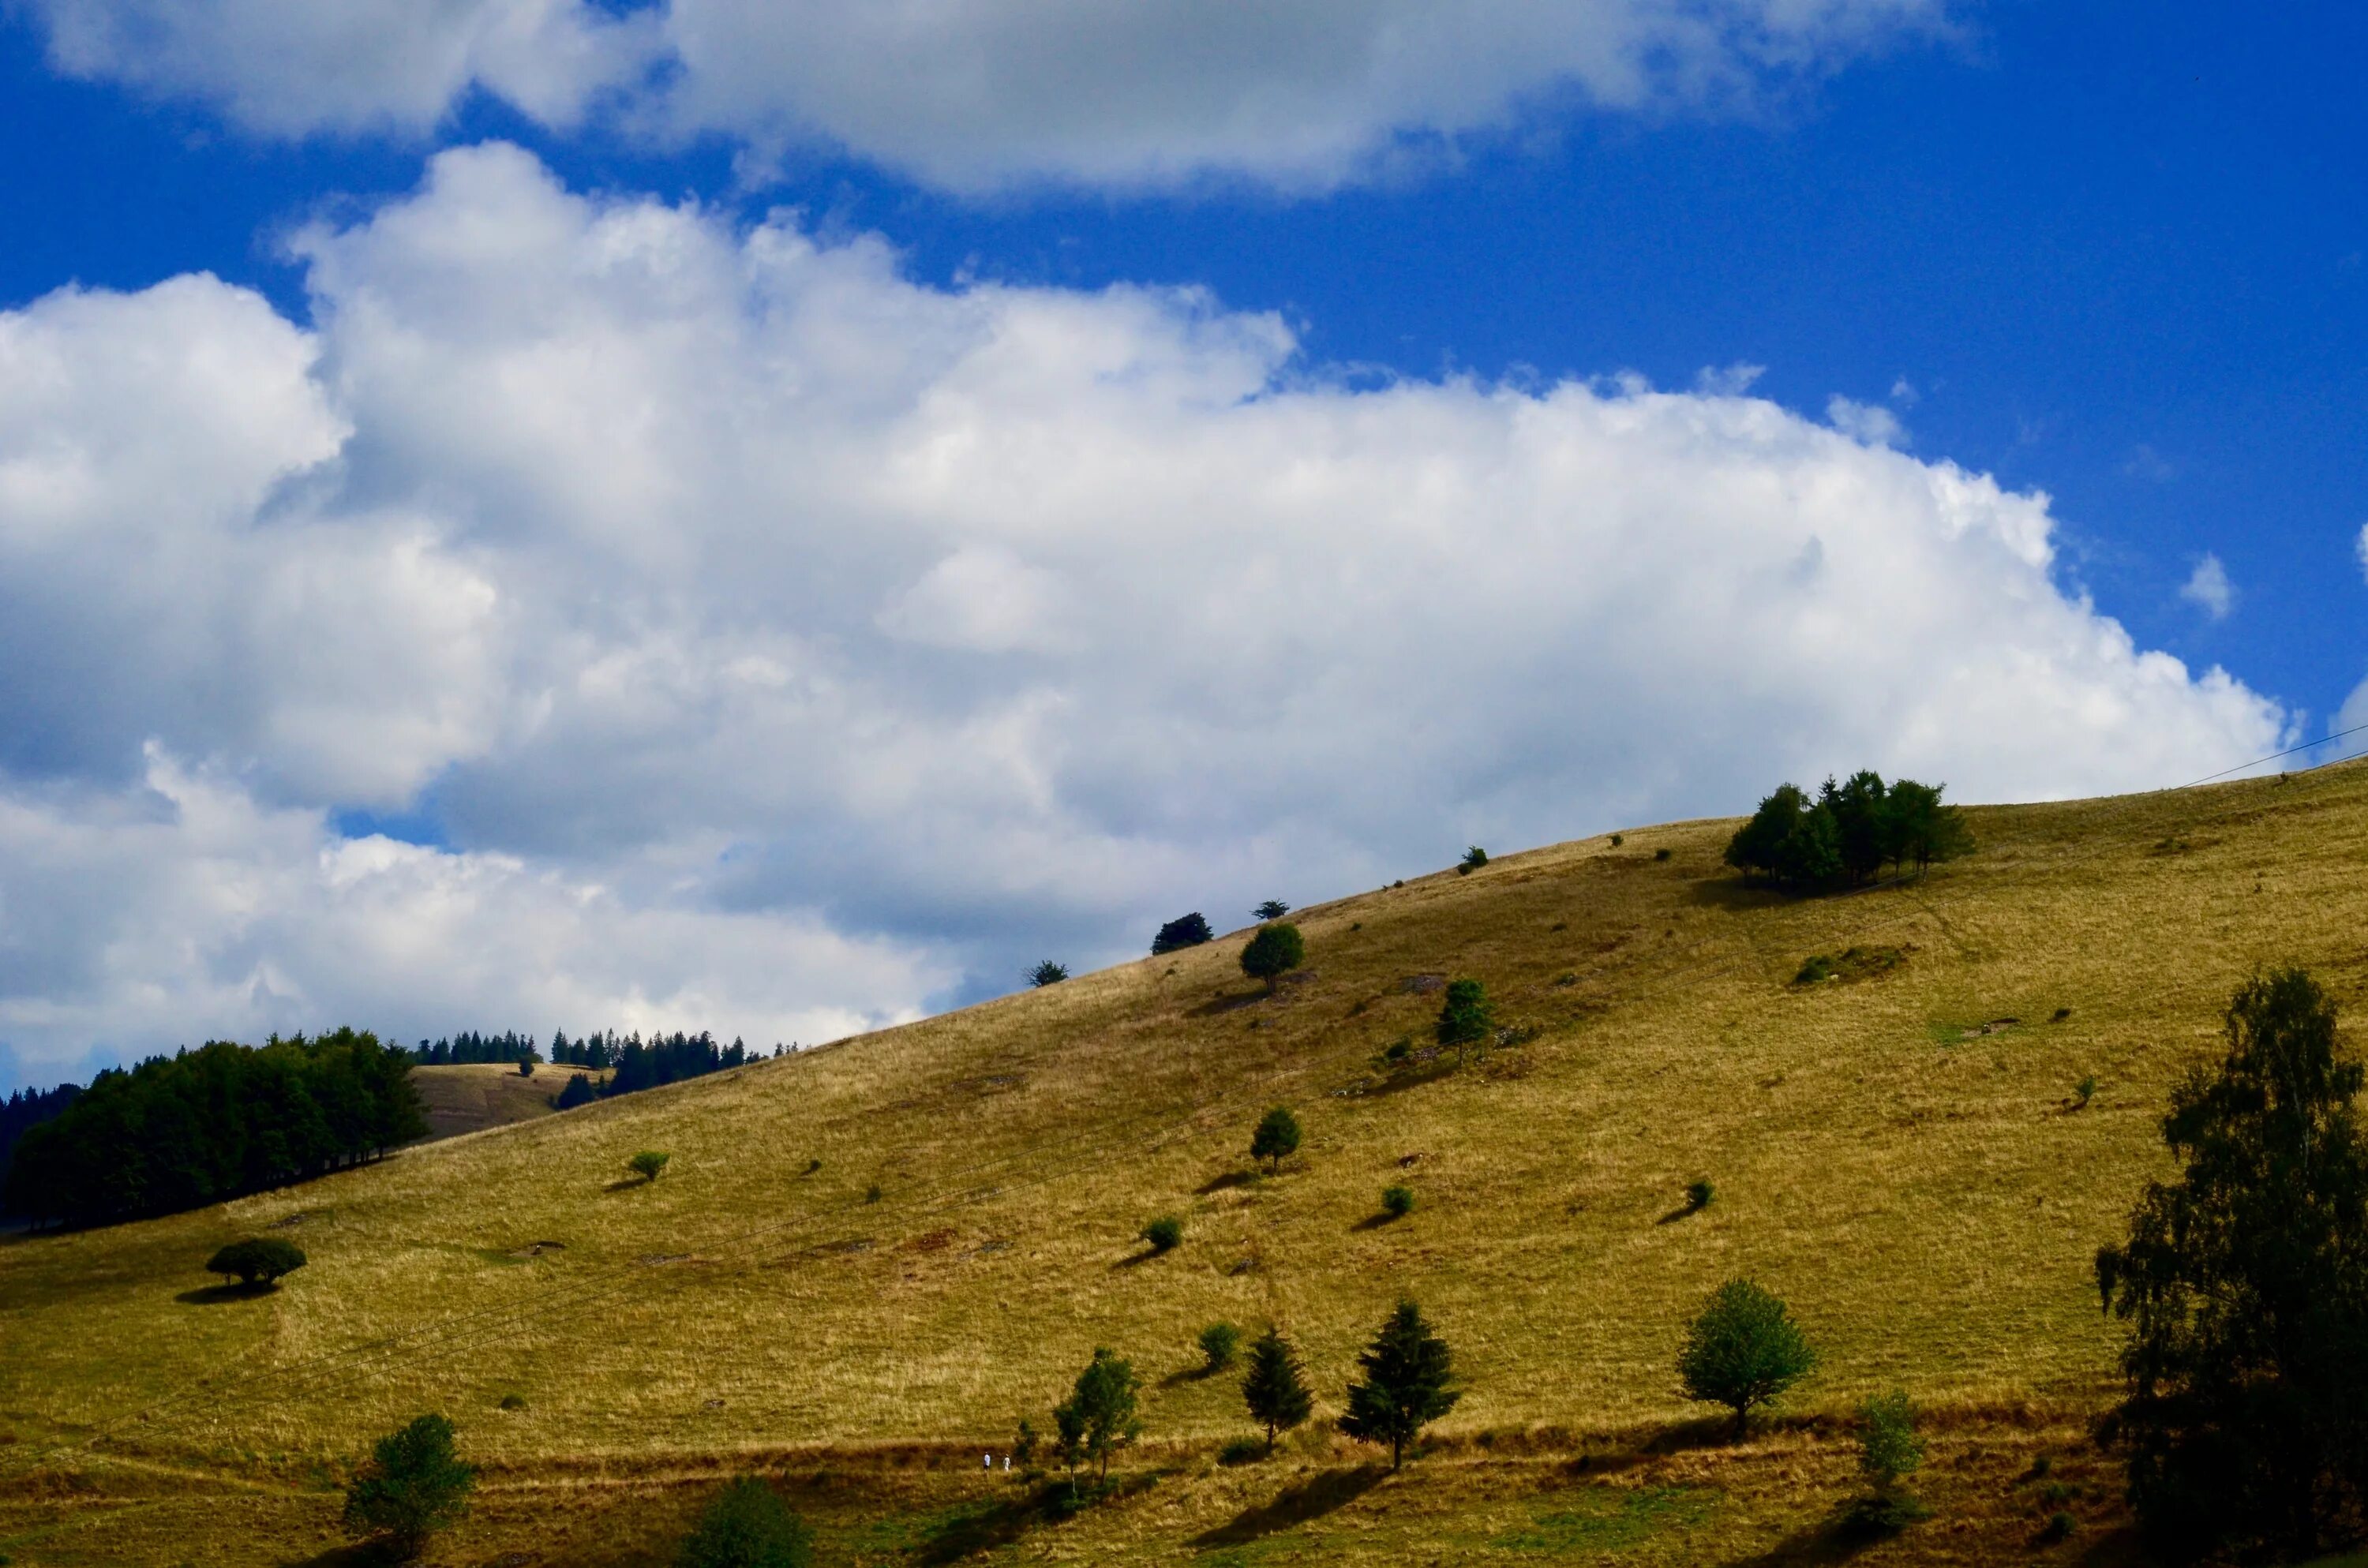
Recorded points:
1465,1017
1276,1138
1408,1383
1275,1386
413,1485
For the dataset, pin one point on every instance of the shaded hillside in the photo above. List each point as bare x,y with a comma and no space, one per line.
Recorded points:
477,1096
1898,1151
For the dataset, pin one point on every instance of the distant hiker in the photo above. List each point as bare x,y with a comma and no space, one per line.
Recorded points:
987,1460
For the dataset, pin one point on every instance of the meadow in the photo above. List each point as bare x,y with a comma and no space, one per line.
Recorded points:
865,1263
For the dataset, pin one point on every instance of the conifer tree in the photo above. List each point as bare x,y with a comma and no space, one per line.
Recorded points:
1408,1383
1275,1386
413,1485
1277,1138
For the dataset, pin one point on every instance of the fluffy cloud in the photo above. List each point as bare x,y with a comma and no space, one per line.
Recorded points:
2208,589
975,94
774,638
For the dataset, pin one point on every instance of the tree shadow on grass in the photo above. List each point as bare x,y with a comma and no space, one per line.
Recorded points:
1295,1505
1229,1179
1374,1221
222,1295
993,1526
363,1554
1685,1210
1821,1546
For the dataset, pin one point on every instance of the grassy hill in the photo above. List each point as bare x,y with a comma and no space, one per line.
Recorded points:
474,1095
1898,1152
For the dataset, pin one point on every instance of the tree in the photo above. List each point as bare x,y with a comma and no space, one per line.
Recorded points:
1742,1350
1219,1344
263,1259
1277,1138
2244,1286
1861,824
1275,1386
414,1486
1473,859
1184,931
1164,1234
1272,909
1274,952
1408,1383
1099,1416
648,1163
576,1091
1888,1451
1048,973
1791,840
1398,1201
1465,1017
747,1526
1918,827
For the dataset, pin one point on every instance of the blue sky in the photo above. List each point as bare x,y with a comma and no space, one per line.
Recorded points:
2112,253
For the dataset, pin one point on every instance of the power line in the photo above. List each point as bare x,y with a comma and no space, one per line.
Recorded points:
2306,745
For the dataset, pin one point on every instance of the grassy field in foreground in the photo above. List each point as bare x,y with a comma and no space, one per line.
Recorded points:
1901,1155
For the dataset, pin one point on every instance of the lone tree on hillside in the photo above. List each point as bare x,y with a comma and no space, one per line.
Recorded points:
1408,1383
1888,1452
1465,1018
649,1163
1272,909
1743,1351
414,1486
262,1260
2244,1286
1098,1417
747,1526
1184,931
1048,973
1275,1387
1276,1140
1473,859
1274,952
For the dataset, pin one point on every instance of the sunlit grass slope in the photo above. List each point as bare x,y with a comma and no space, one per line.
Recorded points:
1907,1167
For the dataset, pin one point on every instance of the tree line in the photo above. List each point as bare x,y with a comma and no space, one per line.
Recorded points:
202,1126
28,1108
1845,834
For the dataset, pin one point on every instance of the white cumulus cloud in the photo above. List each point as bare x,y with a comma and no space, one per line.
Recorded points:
783,644
2208,589
977,93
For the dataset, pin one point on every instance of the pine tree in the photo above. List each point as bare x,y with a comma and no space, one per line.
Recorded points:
413,1485
1408,1383
1276,1138
1275,1386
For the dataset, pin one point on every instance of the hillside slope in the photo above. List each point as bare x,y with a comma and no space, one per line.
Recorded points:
472,1096
1899,1155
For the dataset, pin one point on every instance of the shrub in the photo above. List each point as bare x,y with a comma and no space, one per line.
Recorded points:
2085,1090
1408,1383
1889,1449
1275,1387
1398,1201
1272,909
2061,1014
1699,1194
1742,1350
871,1193
1617,839
513,1401
1218,1343
1473,859
747,1526
1242,1451
1813,970
1277,1138
2245,1290
1184,931
261,1260
1274,952
1398,1050
1465,1017
1661,853
526,1066
1048,973
2059,1527
1164,1233
1023,1446
413,1485
1875,1515
649,1163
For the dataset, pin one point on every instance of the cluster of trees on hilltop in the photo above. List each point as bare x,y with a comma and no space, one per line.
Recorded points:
1846,832
635,1064
508,1048
201,1126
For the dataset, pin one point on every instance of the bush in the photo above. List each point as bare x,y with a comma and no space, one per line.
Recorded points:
1617,839
513,1401
871,1193
1408,1383
1398,1201
1743,1351
1874,1515
1398,1050
262,1260
2084,1091
1164,1233
1274,952
1699,1194
747,1526
1184,931
1272,909
526,1066
1242,1451
1277,1138
1048,973
413,1485
1218,1343
648,1163
1889,1449
1660,854
1814,969
2059,1527
1465,1017
1473,859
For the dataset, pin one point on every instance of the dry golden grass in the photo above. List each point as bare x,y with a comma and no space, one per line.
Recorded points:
475,1095
1923,1193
